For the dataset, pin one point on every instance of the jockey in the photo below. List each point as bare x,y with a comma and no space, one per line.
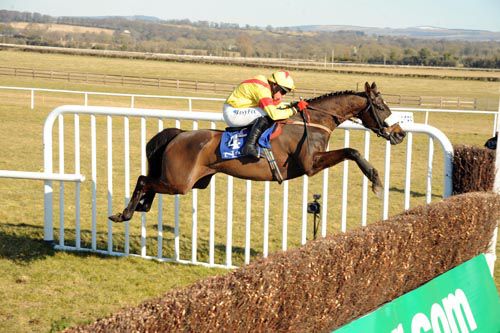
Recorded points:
258,101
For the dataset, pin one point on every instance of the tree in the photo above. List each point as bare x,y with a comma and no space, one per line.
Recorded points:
424,54
245,45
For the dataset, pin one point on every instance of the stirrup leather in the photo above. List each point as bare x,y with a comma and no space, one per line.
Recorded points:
268,154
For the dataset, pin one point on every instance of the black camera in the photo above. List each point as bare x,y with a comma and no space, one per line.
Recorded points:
314,207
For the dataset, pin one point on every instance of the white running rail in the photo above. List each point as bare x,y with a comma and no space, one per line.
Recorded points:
133,97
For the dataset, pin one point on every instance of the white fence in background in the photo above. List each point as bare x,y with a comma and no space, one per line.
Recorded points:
41,176
124,113
190,100
87,94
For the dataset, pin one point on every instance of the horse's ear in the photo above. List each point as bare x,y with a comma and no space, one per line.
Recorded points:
369,90
367,87
374,86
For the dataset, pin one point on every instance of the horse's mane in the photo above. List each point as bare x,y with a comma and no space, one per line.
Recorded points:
333,94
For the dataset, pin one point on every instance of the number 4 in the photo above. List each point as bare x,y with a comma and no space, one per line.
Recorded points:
233,142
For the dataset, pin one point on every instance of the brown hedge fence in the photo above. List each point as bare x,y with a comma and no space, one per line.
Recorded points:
473,169
326,283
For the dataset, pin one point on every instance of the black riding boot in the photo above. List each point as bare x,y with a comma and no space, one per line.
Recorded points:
259,126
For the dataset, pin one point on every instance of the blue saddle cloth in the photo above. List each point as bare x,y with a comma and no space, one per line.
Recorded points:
232,142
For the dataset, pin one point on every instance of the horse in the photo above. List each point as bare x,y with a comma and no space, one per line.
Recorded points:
180,160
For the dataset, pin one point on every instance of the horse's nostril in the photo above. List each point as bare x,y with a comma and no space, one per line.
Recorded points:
397,137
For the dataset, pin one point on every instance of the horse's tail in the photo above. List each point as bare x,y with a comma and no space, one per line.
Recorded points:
155,148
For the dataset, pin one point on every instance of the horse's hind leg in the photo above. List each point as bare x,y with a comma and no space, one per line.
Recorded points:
145,185
147,200
132,204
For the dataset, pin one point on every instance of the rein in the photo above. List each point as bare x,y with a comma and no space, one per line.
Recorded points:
296,122
338,120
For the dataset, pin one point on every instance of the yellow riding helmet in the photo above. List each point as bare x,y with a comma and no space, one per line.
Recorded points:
283,79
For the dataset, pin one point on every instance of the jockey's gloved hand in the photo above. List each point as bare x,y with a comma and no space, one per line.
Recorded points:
301,105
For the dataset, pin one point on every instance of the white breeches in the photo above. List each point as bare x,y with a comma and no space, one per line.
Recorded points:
237,117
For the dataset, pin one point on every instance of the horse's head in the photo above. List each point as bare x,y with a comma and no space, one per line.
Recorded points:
376,116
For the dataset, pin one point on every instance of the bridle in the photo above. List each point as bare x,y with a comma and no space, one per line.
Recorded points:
380,123
338,120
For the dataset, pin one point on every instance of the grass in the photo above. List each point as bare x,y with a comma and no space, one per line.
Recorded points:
47,291
44,290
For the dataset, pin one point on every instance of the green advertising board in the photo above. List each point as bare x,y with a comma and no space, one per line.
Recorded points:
463,299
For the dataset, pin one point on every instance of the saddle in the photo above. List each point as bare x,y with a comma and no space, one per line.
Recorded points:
234,138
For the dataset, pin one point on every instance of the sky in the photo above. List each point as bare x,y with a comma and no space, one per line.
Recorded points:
453,14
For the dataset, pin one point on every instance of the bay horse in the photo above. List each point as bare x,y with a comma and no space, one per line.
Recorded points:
179,160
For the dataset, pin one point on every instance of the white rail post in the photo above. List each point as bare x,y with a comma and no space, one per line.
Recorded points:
143,172
305,190
345,180
248,221
387,179
194,215
229,222
491,255
211,238
61,184
109,150
284,239
407,194
430,159
77,189
93,158
265,250
324,200
177,207
126,138
32,99
364,200
160,208
48,230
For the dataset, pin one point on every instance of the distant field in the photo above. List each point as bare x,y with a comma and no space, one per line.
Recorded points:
412,70
452,73
233,74
54,27
46,290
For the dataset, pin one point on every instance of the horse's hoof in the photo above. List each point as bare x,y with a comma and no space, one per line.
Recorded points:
377,189
117,217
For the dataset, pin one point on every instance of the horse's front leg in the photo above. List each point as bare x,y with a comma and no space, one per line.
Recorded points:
323,160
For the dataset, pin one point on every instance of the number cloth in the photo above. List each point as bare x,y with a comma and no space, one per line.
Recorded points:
232,142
